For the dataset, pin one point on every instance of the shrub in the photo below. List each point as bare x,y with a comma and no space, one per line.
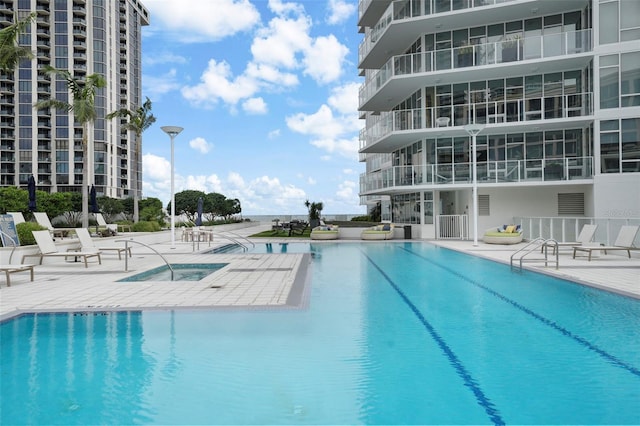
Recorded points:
361,219
146,226
24,232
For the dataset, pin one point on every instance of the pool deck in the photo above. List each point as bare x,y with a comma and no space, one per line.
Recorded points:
249,281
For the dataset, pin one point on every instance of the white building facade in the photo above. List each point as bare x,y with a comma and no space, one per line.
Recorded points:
84,37
554,86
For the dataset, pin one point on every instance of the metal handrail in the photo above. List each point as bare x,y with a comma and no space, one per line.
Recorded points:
533,246
239,236
126,261
15,244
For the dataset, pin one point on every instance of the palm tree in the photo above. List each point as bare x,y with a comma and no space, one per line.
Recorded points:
83,106
11,53
140,120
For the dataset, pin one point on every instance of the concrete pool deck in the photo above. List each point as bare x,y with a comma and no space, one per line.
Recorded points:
249,281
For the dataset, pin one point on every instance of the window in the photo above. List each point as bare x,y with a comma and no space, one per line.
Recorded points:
630,145
609,82
630,79
609,147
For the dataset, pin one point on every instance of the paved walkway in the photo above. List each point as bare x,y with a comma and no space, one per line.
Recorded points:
256,281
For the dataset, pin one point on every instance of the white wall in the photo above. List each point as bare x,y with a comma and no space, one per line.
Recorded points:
537,201
617,195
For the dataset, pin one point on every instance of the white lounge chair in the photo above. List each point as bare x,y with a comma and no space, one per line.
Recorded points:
87,244
18,217
43,220
48,249
624,241
10,269
586,235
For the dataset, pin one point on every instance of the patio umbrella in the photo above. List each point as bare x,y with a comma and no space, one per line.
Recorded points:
199,217
31,187
93,201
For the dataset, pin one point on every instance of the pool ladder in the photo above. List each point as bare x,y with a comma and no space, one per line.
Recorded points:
532,247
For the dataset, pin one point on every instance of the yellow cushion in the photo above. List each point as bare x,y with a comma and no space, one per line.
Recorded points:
510,229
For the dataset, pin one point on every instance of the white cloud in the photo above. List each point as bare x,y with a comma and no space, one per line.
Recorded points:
274,134
200,145
344,99
278,44
255,106
157,168
346,190
340,11
163,58
328,132
324,59
198,21
349,171
216,84
311,181
156,86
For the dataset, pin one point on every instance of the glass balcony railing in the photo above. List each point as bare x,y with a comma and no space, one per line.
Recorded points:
515,50
508,171
489,112
407,9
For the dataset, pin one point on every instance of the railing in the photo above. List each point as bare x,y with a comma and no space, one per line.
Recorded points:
407,9
520,49
487,112
452,227
532,247
508,171
567,228
126,248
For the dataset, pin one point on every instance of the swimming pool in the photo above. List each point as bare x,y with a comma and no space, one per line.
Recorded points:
181,272
395,333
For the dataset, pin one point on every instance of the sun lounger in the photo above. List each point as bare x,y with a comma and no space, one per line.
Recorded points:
11,269
324,232
379,232
585,235
87,244
48,249
18,217
624,241
43,220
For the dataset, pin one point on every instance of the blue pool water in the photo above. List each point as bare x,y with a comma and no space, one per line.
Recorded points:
399,333
181,272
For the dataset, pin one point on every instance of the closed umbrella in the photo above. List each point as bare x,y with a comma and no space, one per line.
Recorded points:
200,207
31,187
93,200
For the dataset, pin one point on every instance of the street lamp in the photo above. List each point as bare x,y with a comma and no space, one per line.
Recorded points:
172,131
473,130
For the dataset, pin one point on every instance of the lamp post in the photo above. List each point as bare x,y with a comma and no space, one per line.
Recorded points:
172,131
473,130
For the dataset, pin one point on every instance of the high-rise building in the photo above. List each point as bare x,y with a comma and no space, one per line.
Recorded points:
552,87
84,37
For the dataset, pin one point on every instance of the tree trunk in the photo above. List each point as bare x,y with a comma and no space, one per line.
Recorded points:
136,153
85,178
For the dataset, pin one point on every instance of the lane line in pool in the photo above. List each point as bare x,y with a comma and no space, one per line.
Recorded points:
466,377
631,369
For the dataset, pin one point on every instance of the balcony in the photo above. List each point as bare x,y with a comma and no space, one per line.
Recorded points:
490,172
392,130
405,20
402,74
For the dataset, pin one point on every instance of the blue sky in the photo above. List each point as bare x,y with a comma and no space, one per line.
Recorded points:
267,94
